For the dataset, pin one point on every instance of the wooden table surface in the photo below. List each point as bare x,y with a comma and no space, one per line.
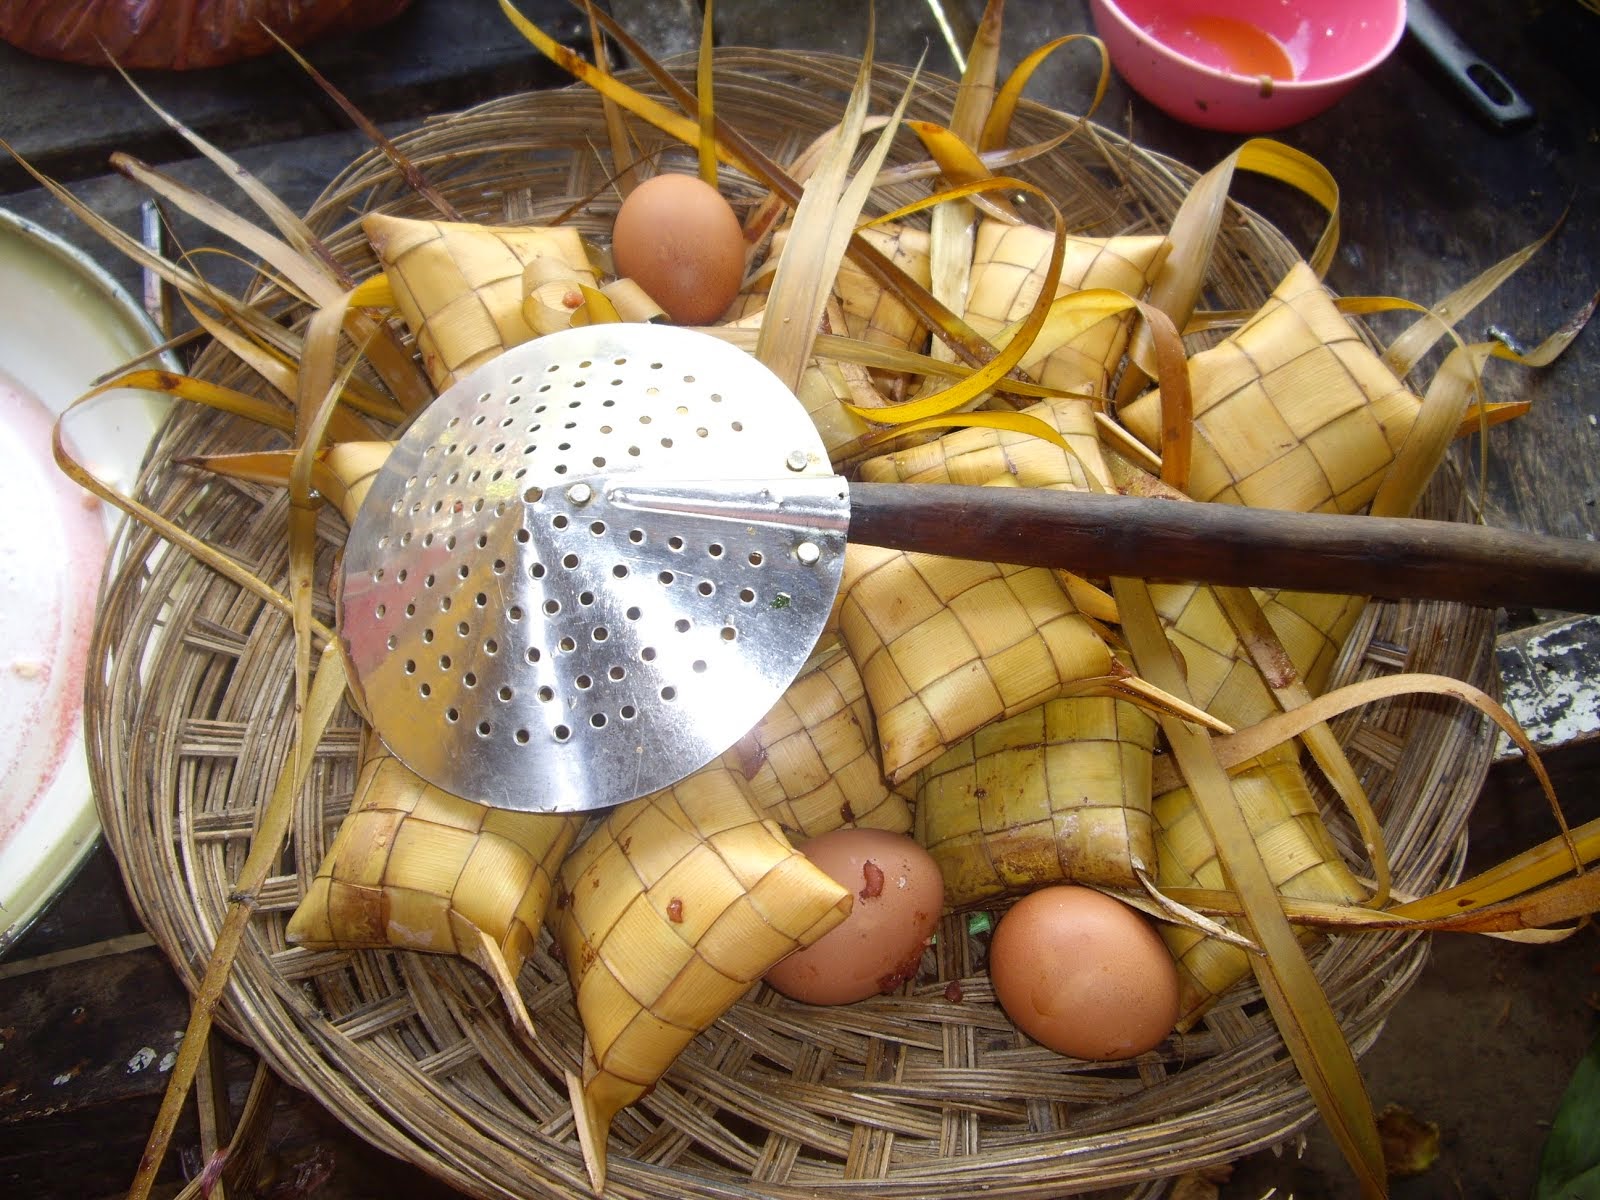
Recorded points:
1430,195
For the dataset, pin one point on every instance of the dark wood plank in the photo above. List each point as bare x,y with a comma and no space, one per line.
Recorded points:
435,57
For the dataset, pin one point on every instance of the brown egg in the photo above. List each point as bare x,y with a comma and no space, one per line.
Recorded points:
678,239
1083,974
899,895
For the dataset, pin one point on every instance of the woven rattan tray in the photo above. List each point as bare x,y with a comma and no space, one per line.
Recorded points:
914,1095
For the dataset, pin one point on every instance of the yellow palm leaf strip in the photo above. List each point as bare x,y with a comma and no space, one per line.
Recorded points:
402,163
667,914
959,163
824,222
951,223
1193,233
1524,917
1521,873
375,291
596,309
1455,385
1486,415
413,867
1444,404
880,357
1058,793
308,276
812,761
970,390
169,531
663,118
997,127
1005,279
1010,422
342,473
623,162
993,447
200,391
326,691
1407,350
281,374
1296,1000
1246,744
316,404
706,143
736,149
1278,672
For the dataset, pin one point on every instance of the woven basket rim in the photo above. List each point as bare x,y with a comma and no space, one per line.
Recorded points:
187,718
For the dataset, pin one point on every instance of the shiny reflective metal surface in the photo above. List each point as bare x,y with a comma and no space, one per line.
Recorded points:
590,566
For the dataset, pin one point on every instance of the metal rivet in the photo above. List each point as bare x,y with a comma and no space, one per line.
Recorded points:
798,460
580,493
808,553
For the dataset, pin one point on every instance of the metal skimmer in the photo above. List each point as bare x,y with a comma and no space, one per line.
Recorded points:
590,566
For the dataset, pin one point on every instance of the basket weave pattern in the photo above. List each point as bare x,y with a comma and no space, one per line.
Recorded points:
931,1093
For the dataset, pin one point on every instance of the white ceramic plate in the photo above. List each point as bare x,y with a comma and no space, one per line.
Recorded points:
63,323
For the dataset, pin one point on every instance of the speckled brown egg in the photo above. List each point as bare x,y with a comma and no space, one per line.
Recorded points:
678,239
899,895
1083,974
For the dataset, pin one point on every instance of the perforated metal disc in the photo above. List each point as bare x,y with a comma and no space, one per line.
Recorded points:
590,566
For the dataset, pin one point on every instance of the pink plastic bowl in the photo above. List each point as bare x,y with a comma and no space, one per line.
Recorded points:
1199,60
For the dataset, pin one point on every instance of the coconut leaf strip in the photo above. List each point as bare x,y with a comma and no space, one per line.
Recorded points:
1298,1004
279,371
270,467
317,404
1458,380
200,391
407,169
1238,748
663,118
1243,612
597,308
175,534
403,377
1570,899
998,126
802,282
1522,872
825,218
951,226
706,143
622,156
375,291
1010,422
1407,350
311,280
959,163
326,690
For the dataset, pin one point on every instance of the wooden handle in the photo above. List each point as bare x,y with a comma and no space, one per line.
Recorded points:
1228,544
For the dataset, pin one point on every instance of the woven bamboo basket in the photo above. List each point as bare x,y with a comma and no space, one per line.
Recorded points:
915,1094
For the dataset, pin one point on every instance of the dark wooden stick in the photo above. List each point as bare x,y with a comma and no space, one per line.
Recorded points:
1227,544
